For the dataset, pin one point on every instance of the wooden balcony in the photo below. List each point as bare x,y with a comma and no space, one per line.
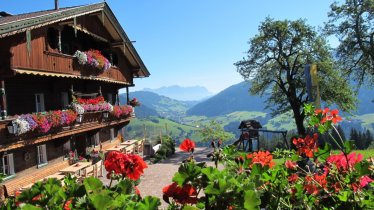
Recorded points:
91,121
62,65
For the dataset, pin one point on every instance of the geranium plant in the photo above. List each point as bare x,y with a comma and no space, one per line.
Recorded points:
134,102
93,58
43,122
312,177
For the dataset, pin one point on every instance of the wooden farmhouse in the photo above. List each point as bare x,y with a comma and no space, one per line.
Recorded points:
60,72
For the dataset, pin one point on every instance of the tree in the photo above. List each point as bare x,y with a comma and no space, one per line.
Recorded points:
352,23
214,131
276,59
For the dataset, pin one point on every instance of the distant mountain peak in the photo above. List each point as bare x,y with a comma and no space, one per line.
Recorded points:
192,93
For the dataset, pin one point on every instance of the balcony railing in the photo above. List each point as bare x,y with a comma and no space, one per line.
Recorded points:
90,121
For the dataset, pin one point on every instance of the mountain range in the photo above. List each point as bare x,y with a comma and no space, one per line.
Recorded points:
233,105
195,93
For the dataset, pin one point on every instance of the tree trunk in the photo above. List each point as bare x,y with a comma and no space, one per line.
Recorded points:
299,119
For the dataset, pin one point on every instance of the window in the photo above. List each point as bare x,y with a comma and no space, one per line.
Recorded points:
112,134
66,148
95,139
7,165
110,98
39,102
64,99
42,155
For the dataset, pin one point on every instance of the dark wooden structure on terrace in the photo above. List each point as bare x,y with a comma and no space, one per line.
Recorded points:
249,139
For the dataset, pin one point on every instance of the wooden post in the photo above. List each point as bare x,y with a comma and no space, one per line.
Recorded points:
59,29
3,104
128,96
161,136
117,97
144,132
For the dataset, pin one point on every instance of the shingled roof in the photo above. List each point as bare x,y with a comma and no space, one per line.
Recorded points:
14,24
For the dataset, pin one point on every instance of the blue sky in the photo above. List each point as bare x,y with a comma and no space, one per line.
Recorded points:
191,42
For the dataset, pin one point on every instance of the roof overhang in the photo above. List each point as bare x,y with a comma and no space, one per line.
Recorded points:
63,14
50,74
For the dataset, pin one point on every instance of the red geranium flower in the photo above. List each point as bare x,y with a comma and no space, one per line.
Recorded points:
129,165
293,178
187,145
182,195
306,145
264,158
291,165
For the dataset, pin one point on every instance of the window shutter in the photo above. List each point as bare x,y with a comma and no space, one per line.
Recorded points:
11,163
64,99
112,134
97,139
44,151
38,154
110,98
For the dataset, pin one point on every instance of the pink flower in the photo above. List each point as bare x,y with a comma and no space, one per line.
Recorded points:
340,161
291,165
365,180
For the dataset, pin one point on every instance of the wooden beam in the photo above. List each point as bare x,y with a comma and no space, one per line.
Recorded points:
3,104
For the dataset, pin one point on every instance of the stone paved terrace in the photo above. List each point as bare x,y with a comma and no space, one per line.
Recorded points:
157,176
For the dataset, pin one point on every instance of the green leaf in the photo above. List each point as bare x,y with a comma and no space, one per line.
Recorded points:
343,196
190,208
256,169
348,145
323,153
30,207
363,168
251,200
101,201
149,203
92,184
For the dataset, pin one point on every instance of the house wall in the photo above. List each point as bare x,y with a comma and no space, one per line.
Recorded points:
43,57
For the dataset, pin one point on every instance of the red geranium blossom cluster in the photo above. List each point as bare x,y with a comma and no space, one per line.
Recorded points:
134,102
92,101
182,195
316,182
327,115
128,165
262,157
187,145
307,145
122,111
341,162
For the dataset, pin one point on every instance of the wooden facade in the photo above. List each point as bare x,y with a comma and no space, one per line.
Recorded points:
37,58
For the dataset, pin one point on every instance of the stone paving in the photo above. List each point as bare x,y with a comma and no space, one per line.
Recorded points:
157,176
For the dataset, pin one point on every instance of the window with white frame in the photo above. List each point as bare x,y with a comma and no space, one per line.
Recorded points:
39,102
42,155
64,99
7,164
